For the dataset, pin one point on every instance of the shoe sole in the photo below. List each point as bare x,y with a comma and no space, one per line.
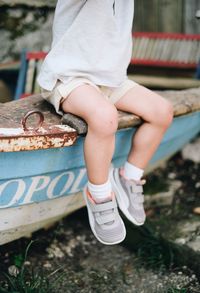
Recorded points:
120,196
91,221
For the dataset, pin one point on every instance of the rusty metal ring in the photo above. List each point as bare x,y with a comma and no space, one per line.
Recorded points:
28,114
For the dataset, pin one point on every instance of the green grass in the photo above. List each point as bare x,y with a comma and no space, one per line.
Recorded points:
154,185
174,290
28,280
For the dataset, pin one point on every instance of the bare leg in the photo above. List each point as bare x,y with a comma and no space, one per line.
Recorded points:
101,116
157,114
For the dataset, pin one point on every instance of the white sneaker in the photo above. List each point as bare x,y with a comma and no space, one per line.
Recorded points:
104,219
129,195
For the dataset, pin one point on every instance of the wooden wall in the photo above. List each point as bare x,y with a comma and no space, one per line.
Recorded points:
167,16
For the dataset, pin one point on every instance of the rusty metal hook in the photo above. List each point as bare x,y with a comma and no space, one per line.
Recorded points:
28,114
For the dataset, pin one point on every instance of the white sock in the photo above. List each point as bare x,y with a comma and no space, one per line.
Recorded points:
100,192
132,172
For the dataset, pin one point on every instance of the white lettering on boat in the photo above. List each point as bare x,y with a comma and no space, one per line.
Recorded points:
76,186
38,183
54,182
21,186
22,191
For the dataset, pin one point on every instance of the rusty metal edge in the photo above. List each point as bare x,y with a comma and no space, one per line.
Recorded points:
36,142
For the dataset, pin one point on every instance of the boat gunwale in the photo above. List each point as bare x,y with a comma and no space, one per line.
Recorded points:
183,101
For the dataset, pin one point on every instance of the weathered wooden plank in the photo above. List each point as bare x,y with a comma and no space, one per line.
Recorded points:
150,48
190,24
11,113
30,76
143,9
144,47
34,216
75,122
184,102
166,16
37,88
196,50
159,15
162,82
170,15
31,133
166,48
154,49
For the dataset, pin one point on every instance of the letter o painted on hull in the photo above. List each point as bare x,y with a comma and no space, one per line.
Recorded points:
21,186
55,182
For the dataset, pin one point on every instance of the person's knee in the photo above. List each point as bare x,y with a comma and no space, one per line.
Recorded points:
164,115
168,113
104,121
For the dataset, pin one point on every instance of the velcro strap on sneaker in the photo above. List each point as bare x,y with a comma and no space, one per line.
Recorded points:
104,219
139,199
135,200
102,207
137,188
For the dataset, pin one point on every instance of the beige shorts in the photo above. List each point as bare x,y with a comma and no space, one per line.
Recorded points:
62,91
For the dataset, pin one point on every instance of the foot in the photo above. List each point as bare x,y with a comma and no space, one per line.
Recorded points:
104,219
129,194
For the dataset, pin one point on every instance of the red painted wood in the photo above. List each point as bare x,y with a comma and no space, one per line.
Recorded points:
148,62
25,96
36,55
155,35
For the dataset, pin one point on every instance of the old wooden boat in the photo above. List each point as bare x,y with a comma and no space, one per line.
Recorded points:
42,171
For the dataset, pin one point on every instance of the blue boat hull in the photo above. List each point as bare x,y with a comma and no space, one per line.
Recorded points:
37,176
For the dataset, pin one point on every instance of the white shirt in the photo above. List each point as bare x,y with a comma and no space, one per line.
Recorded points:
91,39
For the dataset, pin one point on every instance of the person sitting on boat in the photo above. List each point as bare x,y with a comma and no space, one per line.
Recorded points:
85,73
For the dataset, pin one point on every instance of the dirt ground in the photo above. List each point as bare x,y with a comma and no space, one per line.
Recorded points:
72,260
